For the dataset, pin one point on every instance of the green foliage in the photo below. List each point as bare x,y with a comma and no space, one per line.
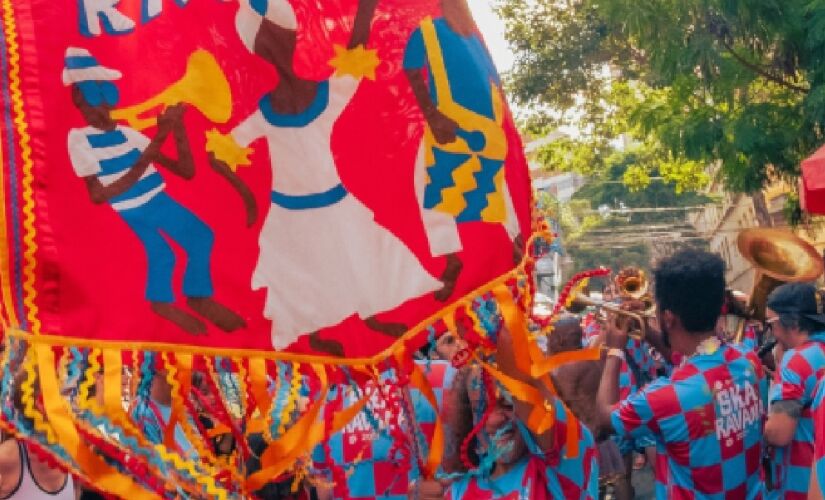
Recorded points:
688,84
580,221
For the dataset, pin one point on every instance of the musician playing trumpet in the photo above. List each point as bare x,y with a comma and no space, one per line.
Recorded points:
117,164
706,418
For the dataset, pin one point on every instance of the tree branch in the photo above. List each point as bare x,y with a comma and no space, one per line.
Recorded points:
760,71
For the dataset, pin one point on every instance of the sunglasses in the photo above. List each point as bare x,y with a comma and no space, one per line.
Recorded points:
769,327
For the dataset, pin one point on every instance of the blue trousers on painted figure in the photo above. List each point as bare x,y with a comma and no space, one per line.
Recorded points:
163,215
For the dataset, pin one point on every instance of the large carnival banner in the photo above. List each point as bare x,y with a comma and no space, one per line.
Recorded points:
279,195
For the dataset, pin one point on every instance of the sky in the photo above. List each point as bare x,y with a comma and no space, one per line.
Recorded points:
493,30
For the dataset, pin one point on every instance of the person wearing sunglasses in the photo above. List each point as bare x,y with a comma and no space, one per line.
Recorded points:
795,317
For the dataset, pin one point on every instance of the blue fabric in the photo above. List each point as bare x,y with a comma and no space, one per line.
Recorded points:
309,201
120,163
259,6
106,139
80,62
163,214
305,117
97,92
470,69
140,188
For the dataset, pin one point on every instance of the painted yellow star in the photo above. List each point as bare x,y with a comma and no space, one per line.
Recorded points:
358,62
227,150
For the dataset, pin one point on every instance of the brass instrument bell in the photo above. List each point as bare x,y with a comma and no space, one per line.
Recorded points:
779,257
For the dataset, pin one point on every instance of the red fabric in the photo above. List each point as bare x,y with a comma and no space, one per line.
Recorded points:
91,269
812,183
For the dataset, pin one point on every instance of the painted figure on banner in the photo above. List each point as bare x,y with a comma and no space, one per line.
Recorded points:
459,173
118,164
319,244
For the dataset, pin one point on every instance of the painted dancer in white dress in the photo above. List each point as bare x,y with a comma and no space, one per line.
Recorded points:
323,257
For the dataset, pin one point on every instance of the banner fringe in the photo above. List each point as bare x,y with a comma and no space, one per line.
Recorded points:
281,397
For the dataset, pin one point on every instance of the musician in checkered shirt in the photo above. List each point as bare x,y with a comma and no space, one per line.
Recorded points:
817,485
795,316
707,417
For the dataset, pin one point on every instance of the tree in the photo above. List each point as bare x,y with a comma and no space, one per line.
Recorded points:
738,83
616,239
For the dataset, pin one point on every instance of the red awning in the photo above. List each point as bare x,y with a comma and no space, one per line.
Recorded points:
812,183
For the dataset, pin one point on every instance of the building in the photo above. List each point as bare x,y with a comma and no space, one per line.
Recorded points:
561,186
722,222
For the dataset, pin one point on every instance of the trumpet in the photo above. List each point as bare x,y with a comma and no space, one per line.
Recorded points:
633,283
202,86
640,318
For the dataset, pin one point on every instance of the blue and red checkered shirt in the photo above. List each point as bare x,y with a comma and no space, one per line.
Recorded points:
440,375
363,448
541,476
628,385
628,380
707,422
591,329
818,410
750,337
639,351
796,380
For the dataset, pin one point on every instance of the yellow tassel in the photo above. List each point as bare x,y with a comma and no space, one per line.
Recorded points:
84,402
292,402
29,398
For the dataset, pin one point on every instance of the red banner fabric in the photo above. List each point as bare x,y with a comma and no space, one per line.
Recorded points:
316,177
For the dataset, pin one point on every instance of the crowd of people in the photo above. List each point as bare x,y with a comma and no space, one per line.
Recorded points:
716,413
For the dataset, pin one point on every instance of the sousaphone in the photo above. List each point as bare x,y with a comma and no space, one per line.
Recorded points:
779,257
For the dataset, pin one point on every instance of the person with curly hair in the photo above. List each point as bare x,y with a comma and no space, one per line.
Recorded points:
707,417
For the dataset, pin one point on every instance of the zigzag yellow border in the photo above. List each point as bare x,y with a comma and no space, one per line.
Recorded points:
24,140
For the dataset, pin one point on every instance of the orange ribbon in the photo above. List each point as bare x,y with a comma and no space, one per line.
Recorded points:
550,363
59,416
258,384
541,417
420,382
